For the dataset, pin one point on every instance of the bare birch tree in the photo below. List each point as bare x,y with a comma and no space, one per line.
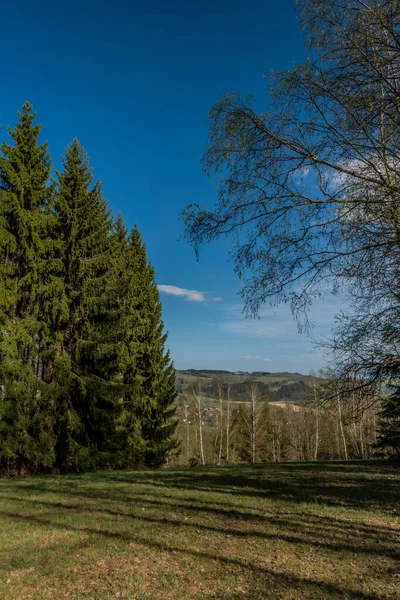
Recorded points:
196,396
311,186
340,424
315,403
186,419
228,417
219,385
253,416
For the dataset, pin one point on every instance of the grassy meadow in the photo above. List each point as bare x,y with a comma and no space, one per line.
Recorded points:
287,531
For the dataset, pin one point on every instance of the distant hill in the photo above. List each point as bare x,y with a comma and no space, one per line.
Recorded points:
278,387
212,372
206,372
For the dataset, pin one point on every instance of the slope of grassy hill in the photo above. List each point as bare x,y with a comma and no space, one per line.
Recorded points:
288,531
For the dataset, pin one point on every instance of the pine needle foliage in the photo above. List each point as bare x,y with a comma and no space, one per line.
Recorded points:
25,222
85,380
147,369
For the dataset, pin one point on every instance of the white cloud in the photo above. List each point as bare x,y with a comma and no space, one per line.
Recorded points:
372,166
251,357
301,174
190,295
272,322
277,323
260,328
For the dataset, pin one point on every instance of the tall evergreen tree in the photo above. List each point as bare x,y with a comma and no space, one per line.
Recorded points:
148,367
122,293
25,201
87,350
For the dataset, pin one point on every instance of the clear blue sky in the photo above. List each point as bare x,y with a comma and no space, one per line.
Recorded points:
133,80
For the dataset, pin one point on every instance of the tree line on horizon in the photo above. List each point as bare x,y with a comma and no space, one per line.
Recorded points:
85,379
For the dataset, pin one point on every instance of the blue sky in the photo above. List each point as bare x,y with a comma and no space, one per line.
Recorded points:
133,81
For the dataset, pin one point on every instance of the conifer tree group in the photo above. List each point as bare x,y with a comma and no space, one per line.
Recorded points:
85,380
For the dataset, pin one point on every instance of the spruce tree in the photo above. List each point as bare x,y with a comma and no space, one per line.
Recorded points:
26,439
87,353
129,446
147,366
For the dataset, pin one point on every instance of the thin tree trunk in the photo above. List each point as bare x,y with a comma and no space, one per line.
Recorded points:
254,416
228,429
341,428
216,446
253,438
316,434
361,437
220,430
186,414
339,450
316,424
375,426
203,462
356,441
234,446
187,441
278,441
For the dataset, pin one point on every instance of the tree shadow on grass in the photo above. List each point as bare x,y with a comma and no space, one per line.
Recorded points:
338,490
333,466
151,494
319,531
278,580
250,483
229,502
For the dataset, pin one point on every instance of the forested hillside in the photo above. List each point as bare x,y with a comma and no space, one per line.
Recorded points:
86,381
229,417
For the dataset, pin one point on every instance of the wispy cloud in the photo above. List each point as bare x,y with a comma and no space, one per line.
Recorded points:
250,357
259,329
301,174
190,295
272,323
277,323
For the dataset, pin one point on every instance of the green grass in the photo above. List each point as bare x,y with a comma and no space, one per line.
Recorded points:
206,401
190,378
210,401
289,531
